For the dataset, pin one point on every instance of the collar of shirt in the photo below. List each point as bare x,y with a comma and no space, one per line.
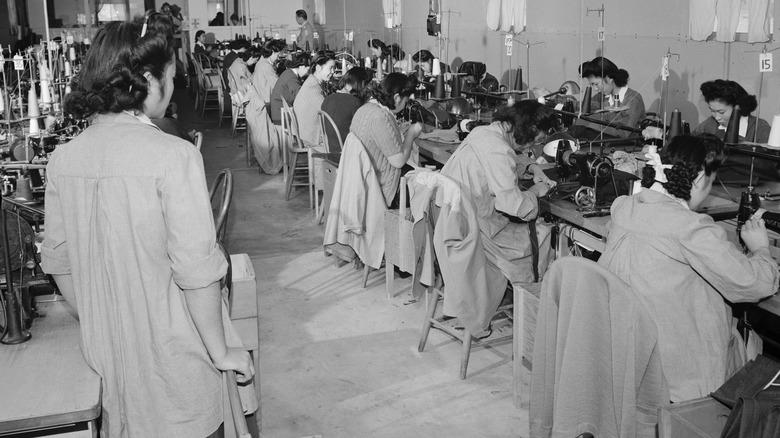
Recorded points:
198,43
143,118
658,187
743,126
621,93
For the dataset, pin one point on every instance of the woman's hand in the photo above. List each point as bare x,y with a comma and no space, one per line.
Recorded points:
539,189
238,360
539,176
754,235
415,130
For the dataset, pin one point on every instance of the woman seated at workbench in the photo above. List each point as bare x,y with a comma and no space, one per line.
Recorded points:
722,96
682,267
375,125
342,105
614,102
313,91
487,164
476,78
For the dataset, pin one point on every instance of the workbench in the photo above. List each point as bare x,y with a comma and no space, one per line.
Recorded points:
45,382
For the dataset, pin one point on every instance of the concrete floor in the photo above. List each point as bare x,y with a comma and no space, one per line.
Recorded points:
338,360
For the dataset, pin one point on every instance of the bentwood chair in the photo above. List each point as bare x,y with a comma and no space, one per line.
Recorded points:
197,139
451,270
211,88
296,154
326,125
224,179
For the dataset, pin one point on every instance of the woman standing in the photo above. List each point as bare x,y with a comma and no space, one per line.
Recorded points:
263,137
130,241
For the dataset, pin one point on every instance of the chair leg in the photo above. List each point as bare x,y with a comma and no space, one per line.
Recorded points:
366,270
290,177
465,353
249,150
389,279
433,301
310,164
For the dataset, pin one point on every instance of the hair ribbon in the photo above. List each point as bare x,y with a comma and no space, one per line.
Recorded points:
143,30
654,159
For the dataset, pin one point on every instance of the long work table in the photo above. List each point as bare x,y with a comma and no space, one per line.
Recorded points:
45,382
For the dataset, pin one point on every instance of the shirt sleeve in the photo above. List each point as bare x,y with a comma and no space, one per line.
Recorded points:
499,169
386,135
54,251
738,278
291,89
195,257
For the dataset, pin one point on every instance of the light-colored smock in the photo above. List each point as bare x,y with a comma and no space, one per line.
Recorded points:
682,267
128,216
486,165
263,137
307,106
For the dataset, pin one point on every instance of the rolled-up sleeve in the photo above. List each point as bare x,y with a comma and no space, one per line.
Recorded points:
54,251
502,181
196,259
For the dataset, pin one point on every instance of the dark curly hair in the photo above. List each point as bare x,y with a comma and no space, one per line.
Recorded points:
423,56
730,93
527,118
392,84
273,46
379,44
688,155
357,78
299,60
112,77
601,67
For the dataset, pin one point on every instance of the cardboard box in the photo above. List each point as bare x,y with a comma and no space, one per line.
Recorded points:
243,300
700,418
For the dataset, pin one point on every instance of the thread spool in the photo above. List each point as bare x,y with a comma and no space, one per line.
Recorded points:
23,188
455,92
436,67
45,93
35,129
67,69
409,62
439,91
368,62
732,132
72,54
774,133
344,65
519,79
585,108
2,99
32,101
675,124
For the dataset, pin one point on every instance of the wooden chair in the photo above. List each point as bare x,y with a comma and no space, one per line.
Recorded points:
225,179
399,241
211,86
326,122
197,139
237,107
451,326
225,97
236,409
294,149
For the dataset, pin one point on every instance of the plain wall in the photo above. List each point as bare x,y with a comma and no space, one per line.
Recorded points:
638,35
